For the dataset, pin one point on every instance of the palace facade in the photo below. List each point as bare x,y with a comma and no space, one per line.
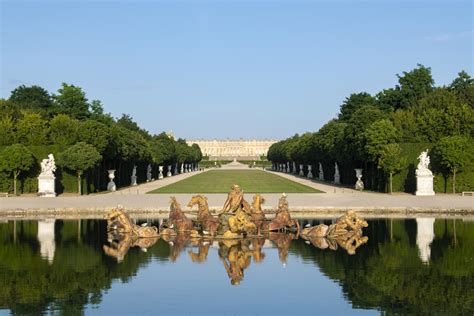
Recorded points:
233,149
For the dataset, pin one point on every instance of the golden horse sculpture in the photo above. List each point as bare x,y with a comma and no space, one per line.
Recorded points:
177,219
345,232
119,221
282,220
208,223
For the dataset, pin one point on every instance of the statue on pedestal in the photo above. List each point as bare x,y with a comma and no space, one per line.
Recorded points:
424,176
46,179
337,177
148,173
321,172
134,176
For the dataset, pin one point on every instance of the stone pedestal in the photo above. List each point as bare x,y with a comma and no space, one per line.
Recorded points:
182,168
288,167
424,185
168,174
301,171
321,172
46,186
176,168
160,174
111,185
310,174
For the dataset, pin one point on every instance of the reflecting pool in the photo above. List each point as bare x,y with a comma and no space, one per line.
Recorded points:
416,266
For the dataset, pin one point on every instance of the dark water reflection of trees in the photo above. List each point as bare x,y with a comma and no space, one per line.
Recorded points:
385,274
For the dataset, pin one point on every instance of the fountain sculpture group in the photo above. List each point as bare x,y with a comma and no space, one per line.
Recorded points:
240,230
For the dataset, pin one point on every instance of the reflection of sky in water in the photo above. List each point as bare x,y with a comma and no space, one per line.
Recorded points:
185,287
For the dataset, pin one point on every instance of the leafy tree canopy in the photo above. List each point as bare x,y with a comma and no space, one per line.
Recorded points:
79,157
71,100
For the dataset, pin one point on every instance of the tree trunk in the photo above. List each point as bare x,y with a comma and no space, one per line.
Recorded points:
78,183
454,181
391,183
14,182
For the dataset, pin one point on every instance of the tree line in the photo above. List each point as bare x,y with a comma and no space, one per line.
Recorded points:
87,139
371,131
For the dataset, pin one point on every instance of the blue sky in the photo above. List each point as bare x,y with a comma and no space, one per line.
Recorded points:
221,69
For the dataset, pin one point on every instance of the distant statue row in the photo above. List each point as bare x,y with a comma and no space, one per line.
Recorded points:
423,174
46,179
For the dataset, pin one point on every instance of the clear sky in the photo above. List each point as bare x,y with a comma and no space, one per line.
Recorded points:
221,69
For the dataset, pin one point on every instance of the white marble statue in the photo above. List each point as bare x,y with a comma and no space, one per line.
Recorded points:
337,176
321,172
301,171
46,179
160,174
148,173
422,168
48,166
168,174
134,176
424,176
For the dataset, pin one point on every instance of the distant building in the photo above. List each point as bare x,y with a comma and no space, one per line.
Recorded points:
233,149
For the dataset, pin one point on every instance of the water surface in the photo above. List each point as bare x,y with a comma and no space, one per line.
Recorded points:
419,266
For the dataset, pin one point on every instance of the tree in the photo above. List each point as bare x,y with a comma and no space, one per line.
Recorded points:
34,97
31,129
14,159
414,85
79,158
63,130
354,102
391,160
127,122
163,149
7,131
94,133
71,100
463,87
453,153
379,134
97,113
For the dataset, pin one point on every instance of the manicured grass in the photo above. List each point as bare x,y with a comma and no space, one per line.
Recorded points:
220,181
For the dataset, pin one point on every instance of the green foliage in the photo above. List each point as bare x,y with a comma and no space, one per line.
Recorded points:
391,161
163,149
15,159
413,113
71,100
354,102
63,130
453,153
377,136
80,157
7,131
414,85
31,129
463,87
34,98
94,133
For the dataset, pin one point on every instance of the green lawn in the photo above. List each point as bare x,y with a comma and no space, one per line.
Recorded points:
220,181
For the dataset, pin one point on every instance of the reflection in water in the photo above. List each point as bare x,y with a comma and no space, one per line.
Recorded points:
121,243
424,237
46,239
386,274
